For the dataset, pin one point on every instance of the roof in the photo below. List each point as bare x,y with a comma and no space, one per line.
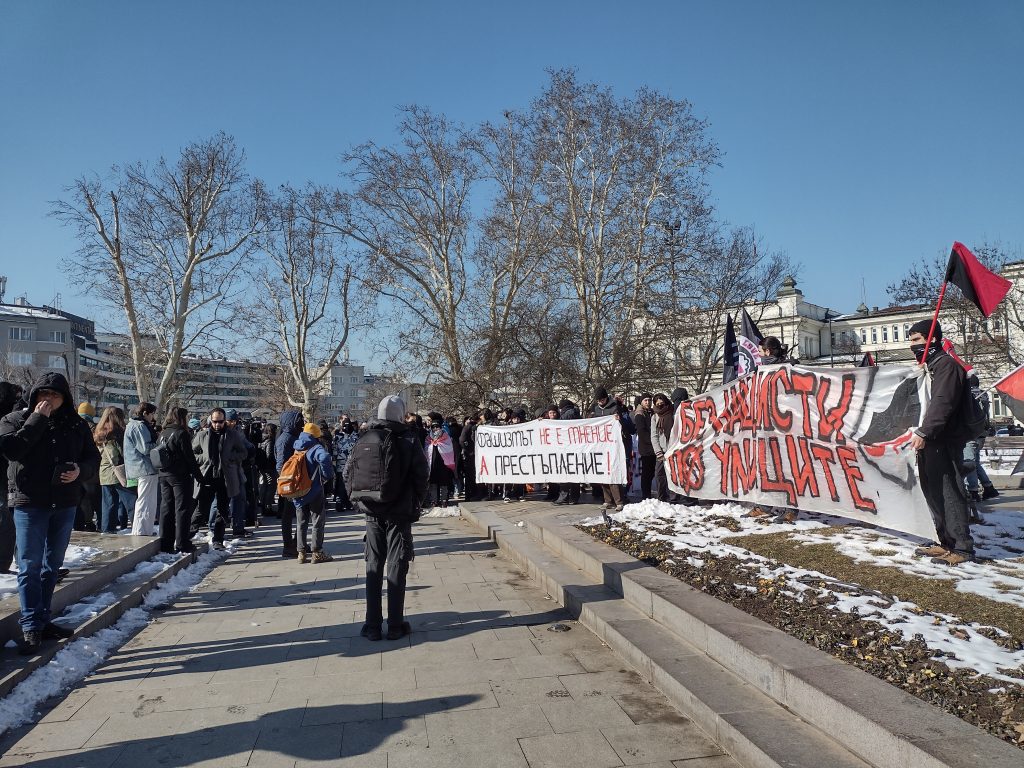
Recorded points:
14,310
885,311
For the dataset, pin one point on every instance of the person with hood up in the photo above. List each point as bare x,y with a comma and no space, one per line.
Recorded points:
48,448
440,454
612,493
139,440
291,427
310,508
386,477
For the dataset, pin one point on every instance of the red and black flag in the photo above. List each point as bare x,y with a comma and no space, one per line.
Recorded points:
868,361
1011,389
981,287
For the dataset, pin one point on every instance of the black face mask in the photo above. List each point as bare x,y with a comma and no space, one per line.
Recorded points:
919,352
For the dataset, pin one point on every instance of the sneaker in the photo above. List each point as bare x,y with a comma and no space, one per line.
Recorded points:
62,573
952,558
789,516
30,642
56,632
397,633
758,512
507,499
241,534
290,552
605,507
932,550
619,507
302,557
319,556
989,493
217,546
974,495
371,633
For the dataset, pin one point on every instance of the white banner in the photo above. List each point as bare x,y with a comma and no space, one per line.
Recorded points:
543,451
821,439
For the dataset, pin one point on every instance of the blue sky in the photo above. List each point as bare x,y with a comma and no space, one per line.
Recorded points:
857,137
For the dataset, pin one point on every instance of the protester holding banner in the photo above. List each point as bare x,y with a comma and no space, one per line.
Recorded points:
569,493
642,418
440,455
553,490
605,406
661,434
939,443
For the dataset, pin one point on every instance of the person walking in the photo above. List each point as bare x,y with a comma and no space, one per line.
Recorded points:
219,457
310,509
386,478
48,448
139,439
178,476
291,427
119,501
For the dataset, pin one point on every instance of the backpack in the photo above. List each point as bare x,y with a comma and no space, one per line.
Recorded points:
972,415
365,466
294,482
160,455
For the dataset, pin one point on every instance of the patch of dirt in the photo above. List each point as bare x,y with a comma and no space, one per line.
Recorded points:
995,706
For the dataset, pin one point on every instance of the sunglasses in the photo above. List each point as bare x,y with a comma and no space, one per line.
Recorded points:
216,421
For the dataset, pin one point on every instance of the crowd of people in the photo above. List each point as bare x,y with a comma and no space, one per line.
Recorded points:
182,474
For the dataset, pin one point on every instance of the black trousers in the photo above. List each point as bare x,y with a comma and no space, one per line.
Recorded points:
175,513
212,488
647,467
662,475
389,550
938,465
286,511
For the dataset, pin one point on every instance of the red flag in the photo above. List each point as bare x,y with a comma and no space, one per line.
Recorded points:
981,287
950,350
867,361
1011,387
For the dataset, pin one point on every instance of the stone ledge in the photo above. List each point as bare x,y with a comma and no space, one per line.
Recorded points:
880,723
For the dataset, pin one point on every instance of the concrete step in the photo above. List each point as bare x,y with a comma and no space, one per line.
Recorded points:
768,698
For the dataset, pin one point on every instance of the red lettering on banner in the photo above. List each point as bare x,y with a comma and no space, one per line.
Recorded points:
483,466
803,386
743,467
847,460
823,455
803,473
779,482
722,453
830,420
686,468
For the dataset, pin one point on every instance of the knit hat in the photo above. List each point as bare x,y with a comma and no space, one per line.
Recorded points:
600,393
313,429
923,326
194,423
391,409
231,414
86,409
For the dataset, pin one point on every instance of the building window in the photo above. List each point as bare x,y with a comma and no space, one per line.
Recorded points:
833,339
895,333
59,337
18,333
55,361
906,331
874,335
885,334
863,336
21,358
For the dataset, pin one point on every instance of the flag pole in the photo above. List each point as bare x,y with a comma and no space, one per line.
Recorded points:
935,319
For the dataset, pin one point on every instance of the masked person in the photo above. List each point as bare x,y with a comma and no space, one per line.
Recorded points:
939,443
440,454
48,448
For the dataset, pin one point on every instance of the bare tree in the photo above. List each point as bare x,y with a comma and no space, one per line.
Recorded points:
308,283
163,244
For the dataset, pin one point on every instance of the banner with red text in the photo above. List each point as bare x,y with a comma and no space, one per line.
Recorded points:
819,439
544,451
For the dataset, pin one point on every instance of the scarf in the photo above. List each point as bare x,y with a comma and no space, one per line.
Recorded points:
443,443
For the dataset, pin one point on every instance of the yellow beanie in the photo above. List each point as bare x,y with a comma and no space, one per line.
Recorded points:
86,409
313,429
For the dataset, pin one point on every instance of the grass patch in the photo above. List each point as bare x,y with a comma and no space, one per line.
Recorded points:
932,595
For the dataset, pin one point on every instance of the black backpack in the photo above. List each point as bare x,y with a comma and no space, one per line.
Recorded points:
366,466
160,455
973,418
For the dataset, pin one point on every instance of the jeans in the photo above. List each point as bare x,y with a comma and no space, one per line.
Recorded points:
388,545
314,508
175,513
972,455
115,499
43,536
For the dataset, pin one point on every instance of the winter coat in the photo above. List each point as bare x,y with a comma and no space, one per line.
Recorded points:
404,474
229,464
35,445
183,464
343,444
111,456
467,442
610,408
570,411
661,430
291,428
642,424
139,439
944,418
318,463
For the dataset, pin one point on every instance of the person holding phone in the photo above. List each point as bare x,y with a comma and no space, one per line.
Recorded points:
48,449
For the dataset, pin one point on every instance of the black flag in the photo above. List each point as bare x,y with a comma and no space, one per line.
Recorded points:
731,353
867,361
749,344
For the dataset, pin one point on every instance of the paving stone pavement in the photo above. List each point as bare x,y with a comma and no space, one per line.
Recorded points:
262,665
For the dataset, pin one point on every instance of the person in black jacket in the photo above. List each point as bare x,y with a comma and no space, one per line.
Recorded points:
8,398
292,423
386,477
939,443
48,448
177,483
569,493
642,418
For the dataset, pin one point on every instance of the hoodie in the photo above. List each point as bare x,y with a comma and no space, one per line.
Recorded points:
291,427
35,445
318,462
